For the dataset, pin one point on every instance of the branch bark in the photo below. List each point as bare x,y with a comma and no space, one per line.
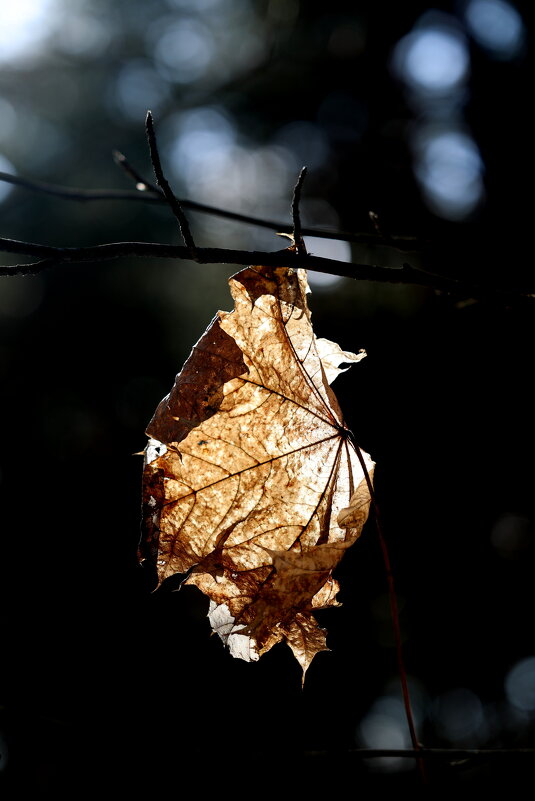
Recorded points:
50,256
168,193
150,194
449,754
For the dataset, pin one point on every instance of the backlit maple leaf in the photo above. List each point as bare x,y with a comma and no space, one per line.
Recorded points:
251,479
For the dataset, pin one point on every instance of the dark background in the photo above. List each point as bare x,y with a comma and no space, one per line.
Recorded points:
104,683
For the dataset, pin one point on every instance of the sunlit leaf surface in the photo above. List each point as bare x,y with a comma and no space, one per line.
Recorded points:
252,480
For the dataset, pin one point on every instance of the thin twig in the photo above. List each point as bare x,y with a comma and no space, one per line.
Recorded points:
450,754
142,185
300,247
394,611
176,208
374,219
32,268
402,244
82,195
281,258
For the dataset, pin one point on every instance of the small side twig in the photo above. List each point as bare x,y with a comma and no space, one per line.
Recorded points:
401,244
451,755
142,185
80,195
374,219
299,243
166,189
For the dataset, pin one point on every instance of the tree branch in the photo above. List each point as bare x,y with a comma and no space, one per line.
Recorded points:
49,256
296,216
281,258
161,180
402,244
450,754
81,195
142,185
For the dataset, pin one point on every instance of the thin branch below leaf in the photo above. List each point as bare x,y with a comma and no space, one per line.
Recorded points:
394,611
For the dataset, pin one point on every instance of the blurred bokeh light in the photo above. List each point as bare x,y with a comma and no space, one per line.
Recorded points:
25,27
520,685
459,718
497,26
450,170
433,59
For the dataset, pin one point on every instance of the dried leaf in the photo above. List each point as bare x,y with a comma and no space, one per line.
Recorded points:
252,481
